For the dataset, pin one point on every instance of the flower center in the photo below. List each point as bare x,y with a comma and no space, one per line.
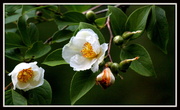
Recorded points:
87,51
25,75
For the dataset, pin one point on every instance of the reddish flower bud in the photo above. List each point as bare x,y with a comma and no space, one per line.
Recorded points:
105,78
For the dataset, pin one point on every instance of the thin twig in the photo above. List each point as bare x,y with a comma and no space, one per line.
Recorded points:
101,11
93,8
104,10
51,38
10,84
111,37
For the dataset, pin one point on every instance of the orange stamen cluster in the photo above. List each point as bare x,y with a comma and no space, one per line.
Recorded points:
25,75
87,51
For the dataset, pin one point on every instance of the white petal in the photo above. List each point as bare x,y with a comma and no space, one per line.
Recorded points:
94,43
35,83
86,32
72,48
100,57
95,67
104,48
78,62
20,67
21,85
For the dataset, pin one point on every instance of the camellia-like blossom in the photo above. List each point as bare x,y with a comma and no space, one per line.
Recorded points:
26,76
84,51
105,78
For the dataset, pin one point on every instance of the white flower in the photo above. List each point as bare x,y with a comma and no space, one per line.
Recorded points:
84,51
105,78
26,76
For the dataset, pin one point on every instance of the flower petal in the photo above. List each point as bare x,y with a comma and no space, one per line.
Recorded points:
73,47
100,57
21,85
86,32
104,48
79,62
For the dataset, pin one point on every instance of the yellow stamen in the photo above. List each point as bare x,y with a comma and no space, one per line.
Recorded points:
25,75
87,51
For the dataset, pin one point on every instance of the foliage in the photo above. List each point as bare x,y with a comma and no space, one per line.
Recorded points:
23,44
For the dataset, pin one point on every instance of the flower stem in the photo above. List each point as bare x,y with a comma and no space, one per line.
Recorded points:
111,37
10,84
93,8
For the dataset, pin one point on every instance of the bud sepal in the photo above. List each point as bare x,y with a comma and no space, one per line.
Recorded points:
124,65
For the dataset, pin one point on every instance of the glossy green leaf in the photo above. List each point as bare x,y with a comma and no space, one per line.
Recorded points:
12,41
70,18
22,26
29,10
14,54
54,58
117,19
12,18
41,95
78,8
61,35
83,25
81,83
33,32
157,29
14,98
143,65
12,8
137,20
37,50
101,22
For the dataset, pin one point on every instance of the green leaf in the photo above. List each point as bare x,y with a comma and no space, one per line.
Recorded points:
78,8
22,26
12,8
37,50
70,18
14,54
143,65
33,32
29,10
54,58
137,20
41,95
157,29
117,19
12,18
83,25
101,22
14,98
13,40
61,35
81,83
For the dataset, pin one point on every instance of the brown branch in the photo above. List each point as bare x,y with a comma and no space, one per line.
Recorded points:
93,8
10,84
111,37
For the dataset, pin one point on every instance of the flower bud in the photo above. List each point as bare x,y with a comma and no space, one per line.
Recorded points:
105,78
108,64
90,15
115,67
118,40
124,65
126,35
39,13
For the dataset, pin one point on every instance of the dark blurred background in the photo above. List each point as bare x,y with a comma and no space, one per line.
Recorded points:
133,89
